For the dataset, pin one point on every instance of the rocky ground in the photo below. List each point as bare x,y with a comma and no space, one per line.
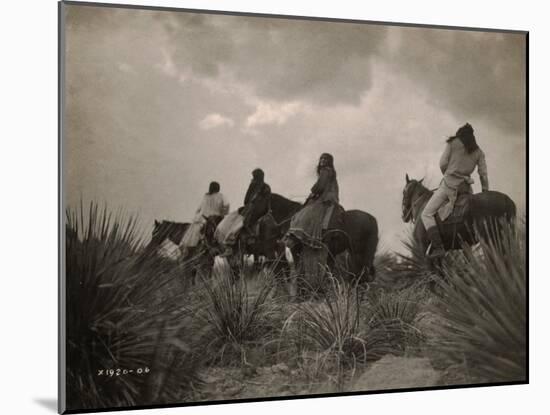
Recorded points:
410,370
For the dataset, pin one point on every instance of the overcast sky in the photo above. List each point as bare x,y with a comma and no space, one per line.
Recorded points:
158,104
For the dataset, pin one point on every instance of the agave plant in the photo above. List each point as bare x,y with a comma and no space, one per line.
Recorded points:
483,309
124,341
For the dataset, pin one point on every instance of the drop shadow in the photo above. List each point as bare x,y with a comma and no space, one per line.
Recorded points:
48,403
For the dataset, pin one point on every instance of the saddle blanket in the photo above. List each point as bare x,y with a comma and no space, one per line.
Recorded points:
229,227
455,209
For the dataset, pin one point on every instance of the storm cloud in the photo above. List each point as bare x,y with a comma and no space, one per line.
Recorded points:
160,103
319,62
474,75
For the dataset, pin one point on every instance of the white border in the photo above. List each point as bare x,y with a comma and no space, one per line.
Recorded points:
28,368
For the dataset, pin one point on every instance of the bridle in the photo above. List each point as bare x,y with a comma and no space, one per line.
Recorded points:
413,204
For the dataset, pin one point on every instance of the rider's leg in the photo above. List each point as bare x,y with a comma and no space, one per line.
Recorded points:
440,196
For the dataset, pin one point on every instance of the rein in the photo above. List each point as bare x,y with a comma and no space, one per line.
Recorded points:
415,203
421,197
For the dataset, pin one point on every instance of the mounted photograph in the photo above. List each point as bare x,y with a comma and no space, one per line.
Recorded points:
258,207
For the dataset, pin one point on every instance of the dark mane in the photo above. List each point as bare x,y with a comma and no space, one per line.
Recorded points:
283,208
420,189
167,230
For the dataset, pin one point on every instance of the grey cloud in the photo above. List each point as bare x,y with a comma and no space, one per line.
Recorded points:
320,62
474,75
132,129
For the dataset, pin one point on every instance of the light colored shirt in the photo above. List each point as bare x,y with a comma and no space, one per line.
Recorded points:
457,165
213,205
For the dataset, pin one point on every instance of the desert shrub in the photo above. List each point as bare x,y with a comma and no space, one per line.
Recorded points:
236,314
483,309
333,323
326,335
390,319
116,318
397,271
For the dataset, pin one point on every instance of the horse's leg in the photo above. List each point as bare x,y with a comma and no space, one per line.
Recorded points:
331,263
237,262
289,272
297,286
193,278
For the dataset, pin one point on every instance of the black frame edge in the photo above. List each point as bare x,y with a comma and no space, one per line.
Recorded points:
61,301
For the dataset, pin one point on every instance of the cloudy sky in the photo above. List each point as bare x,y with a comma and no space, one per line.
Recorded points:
158,104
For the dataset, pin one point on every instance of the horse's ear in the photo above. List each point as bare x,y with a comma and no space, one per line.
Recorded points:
407,177
157,223
421,180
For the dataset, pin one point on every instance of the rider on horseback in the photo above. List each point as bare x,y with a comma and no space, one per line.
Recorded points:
257,190
257,195
308,224
458,161
213,203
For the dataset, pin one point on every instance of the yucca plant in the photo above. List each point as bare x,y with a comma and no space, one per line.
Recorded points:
331,326
236,314
483,309
390,320
117,322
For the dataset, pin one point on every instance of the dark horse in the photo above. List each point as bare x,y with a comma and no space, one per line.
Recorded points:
359,236
482,210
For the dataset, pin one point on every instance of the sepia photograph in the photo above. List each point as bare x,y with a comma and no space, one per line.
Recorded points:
262,206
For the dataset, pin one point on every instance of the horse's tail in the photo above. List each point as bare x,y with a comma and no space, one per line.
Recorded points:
510,210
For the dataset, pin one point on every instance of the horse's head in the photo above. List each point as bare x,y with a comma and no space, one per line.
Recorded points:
411,187
167,230
160,233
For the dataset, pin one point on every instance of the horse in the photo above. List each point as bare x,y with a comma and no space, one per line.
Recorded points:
166,230
258,237
485,211
358,237
199,258
273,221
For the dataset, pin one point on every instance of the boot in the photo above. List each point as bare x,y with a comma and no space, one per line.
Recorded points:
437,250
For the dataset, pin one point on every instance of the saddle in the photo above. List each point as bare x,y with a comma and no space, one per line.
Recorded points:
459,211
262,228
334,218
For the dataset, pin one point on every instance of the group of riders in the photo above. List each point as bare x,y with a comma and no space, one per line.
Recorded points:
319,213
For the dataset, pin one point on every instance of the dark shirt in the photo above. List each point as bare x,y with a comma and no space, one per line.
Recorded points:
255,190
257,202
326,187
